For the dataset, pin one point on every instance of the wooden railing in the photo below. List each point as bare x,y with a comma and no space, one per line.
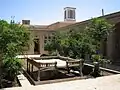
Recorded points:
76,63
43,66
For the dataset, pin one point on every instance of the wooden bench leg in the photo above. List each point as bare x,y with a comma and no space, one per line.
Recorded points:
29,68
27,65
32,70
68,70
81,71
38,78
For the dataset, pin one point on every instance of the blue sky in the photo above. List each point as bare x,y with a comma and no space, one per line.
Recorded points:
50,11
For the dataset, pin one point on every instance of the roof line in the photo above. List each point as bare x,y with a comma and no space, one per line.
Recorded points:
105,16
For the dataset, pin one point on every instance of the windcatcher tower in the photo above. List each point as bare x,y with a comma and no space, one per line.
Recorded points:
69,14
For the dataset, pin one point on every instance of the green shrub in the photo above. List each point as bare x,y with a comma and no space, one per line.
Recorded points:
96,57
14,40
11,67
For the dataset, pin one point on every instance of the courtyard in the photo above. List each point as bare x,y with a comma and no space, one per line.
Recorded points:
59,45
101,83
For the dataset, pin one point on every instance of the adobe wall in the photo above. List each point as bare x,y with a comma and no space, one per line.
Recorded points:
38,34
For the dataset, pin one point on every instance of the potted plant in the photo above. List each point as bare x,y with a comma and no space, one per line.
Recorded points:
96,61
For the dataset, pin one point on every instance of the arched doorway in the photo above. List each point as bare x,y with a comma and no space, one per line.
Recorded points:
36,46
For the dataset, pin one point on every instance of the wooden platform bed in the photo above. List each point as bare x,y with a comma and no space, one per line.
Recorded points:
52,63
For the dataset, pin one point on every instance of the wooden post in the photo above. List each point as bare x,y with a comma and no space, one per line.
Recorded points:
46,64
27,64
32,68
81,66
29,68
55,65
67,66
38,78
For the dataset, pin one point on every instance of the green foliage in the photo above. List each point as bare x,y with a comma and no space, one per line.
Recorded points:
76,43
99,58
72,43
11,67
14,40
98,29
96,57
50,46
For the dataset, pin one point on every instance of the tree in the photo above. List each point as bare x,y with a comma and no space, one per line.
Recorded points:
76,43
72,43
14,40
99,30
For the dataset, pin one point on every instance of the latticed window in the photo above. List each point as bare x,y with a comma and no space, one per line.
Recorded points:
71,14
26,22
45,37
49,37
45,41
